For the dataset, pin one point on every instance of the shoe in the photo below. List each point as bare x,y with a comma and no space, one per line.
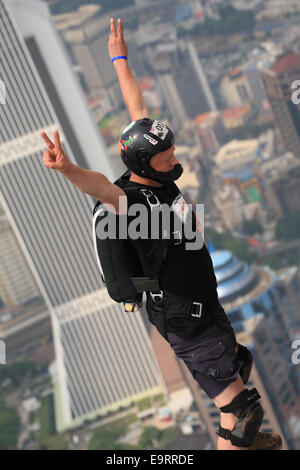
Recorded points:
266,441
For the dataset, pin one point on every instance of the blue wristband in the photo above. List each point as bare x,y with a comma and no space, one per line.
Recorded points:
119,57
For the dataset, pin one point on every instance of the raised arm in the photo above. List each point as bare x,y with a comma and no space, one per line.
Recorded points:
90,182
131,92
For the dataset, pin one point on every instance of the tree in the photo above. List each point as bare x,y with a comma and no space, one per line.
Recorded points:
18,371
225,241
252,226
104,440
149,437
288,227
9,425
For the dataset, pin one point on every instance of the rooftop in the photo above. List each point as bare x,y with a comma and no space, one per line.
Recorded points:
236,71
235,112
286,62
75,18
201,118
220,257
236,149
266,278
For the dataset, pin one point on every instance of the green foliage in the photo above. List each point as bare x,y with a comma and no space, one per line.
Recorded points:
71,5
128,447
167,438
225,241
275,262
249,131
55,442
149,436
153,438
45,415
252,226
288,227
105,438
18,371
9,425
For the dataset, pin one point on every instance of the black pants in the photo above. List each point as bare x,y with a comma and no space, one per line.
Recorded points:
210,356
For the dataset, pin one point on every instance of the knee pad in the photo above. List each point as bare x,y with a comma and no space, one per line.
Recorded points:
244,356
250,415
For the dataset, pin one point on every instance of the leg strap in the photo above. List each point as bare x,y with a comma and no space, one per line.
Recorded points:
250,415
241,402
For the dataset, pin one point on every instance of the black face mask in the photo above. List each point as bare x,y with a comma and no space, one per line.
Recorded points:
165,177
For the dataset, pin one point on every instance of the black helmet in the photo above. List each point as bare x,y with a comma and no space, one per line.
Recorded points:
143,139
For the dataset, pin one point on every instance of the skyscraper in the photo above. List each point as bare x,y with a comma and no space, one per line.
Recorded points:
104,358
86,33
182,80
262,307
246,291
277,82
191,81
16,282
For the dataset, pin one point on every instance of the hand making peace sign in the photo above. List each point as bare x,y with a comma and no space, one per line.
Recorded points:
55,158
116,44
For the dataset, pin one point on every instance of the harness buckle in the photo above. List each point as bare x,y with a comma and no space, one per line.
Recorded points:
156,297
197,311
148,194
177,236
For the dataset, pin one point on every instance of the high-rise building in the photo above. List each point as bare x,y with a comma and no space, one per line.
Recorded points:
235,88
272,378
263,310
22,307
86,32
287,294
17,284
277,82
182,80
173,99
104,358
285,190
191,81
246,291
242,86
211,131
230,204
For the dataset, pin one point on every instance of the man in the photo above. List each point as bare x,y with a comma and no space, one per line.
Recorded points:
186,310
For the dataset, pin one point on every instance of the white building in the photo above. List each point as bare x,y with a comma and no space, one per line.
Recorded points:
17,284
104,358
